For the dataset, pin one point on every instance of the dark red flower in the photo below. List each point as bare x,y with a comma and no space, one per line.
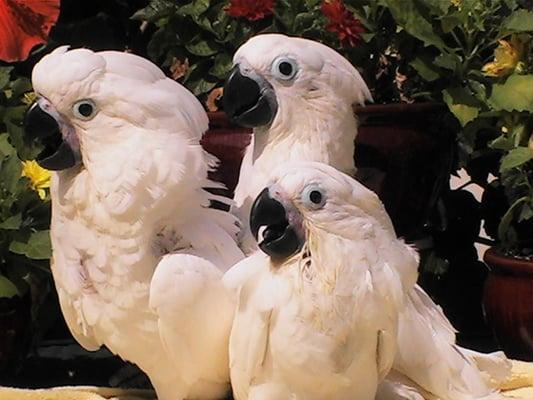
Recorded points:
343,23
23,25
252,10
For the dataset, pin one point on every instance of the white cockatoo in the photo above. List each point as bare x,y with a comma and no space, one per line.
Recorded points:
138,255
317,315
298,96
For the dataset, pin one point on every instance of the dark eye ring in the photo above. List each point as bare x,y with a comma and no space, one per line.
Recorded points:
313,196
84,109
284,68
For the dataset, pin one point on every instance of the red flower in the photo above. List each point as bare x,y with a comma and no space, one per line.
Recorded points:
23,25
343,23
252,10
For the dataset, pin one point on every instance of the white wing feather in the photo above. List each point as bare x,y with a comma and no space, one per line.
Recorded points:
195,313
428,355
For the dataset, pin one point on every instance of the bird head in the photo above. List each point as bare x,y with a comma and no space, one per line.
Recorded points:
308,201
90,101
273,74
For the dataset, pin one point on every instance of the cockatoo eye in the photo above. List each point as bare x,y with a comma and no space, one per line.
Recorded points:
84,109
284,68
314,197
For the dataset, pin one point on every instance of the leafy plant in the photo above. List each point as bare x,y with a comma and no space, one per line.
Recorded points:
196,39
24,215
478,59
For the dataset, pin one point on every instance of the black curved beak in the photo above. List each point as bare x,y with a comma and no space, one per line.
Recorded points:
280,239
249,100
43,129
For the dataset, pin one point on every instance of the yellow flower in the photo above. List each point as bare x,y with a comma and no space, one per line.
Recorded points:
506,57
38,176
457,3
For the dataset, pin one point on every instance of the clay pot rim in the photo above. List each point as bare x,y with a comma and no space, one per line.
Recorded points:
502,263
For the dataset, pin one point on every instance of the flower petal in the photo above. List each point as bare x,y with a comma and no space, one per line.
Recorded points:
23,25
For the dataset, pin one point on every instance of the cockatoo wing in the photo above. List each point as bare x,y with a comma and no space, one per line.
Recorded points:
250,330
428,355
195,313
213,237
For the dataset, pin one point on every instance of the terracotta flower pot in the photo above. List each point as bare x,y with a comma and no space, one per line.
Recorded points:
403,153
508,303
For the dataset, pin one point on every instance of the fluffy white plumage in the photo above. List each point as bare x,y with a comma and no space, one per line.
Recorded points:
322,324
138,255
315,119
315,122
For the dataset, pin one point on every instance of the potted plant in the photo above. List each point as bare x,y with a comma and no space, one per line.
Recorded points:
478,58
508,200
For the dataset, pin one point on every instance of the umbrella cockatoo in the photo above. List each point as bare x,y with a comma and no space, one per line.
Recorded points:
317,315
298,96
138,255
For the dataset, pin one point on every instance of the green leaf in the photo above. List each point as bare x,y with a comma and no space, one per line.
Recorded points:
507,218
480,91
6,149
502,143
463,113
194,8
38,246
7,288
160,43
202,48
223,63
462,104
426,71
516,158
10,173
409,16
449,22
448,61
5,73
12,223
515,94
519,21
205,23
438,7
20,86
304,21
156,10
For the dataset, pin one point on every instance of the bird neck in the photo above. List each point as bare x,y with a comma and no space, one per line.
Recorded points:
307,135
